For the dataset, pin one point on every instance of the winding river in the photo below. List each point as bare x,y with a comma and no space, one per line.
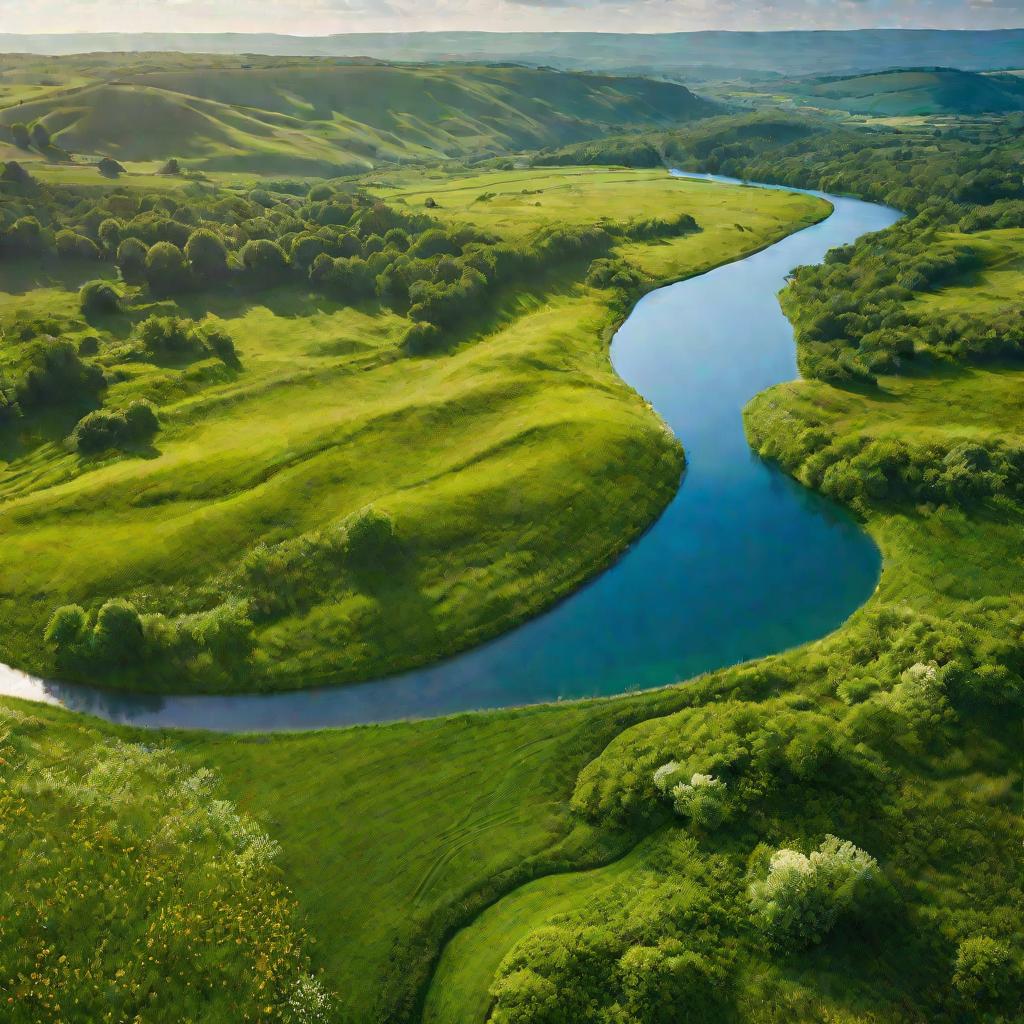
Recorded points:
743,562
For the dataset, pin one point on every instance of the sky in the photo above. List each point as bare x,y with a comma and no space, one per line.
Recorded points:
321,17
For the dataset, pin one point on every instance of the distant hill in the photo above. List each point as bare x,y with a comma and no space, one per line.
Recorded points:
679,53
910,91
323,116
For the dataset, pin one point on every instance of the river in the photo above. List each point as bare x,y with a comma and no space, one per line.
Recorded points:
743,562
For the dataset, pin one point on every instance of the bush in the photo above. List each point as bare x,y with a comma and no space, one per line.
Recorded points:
109,168
97,298
165,269
117,636
131,260
15,174
169,336
40,136
20,136
71,245
369,535
985,972
221,344
66,628
801,898
207,256
264,260
109,233
102,430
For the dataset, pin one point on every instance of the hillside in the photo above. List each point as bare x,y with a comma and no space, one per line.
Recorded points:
319,116
909,91
789,53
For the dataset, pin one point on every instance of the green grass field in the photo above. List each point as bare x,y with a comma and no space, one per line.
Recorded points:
421,854
514,467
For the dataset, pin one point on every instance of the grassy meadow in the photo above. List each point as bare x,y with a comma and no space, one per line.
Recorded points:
524,866
515,465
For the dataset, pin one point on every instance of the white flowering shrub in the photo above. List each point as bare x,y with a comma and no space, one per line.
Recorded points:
801,898
666,776
702,800
309,1002
920,698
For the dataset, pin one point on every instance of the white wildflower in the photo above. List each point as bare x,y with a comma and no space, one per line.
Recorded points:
663,775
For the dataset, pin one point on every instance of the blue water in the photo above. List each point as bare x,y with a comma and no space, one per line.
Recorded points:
743,562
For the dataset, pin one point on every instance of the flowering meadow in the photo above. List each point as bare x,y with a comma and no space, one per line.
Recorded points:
134,893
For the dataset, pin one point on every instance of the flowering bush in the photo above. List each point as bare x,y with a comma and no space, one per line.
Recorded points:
801,898
701,800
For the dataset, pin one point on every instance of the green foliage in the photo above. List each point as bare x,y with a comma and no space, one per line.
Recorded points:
131,260
20,135
802,898
165,269
66,628
40,136
98,298
206,256
96,832
985,973
117,636
264,260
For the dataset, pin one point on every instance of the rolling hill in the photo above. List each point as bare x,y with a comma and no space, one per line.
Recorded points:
789,53
324,116
908,91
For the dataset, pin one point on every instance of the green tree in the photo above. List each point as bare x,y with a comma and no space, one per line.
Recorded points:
109,233
40,136
165,269
207,256
117,635
20,135
98,297
264,260
66,628
131,260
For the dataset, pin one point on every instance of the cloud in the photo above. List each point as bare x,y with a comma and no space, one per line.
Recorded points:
320,17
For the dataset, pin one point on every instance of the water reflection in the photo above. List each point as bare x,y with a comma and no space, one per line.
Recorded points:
742,563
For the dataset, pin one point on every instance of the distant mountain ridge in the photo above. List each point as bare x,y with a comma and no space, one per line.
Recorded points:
789,53
320,116
914,91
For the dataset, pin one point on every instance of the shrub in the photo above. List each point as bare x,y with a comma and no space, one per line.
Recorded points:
66,628
801,898
25,237
702,800
15,174
109,167
96,298
369,535
71,245
109,233
20,135
985,971
40,136
89,346
131,260
117,636
207,256
57,375
165,269
264,260
221,344
169,336
102,430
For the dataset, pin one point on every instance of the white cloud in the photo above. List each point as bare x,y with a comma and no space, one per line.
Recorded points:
318,17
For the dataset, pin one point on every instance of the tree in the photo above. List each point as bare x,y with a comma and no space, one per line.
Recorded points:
117,636
72,245
109,233
165,269
20,135
207,256
801,898
109,167
16,174
25,237
171,167
141,422
97,432
98,298
984,971
131,260
66,628
40,136
264,260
